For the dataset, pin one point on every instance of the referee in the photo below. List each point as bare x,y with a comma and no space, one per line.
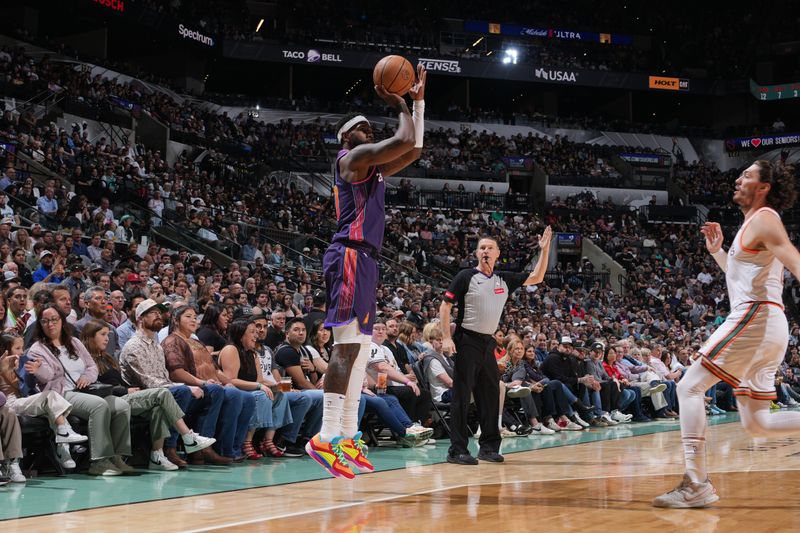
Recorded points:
481,294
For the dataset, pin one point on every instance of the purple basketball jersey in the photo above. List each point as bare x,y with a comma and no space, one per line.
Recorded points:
359,208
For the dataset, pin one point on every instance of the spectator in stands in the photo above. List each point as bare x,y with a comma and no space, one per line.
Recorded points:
437,367
190,362
561,365
414,401
96,302
47,204
275,333
62,364
51,270
299,404
47,404
214,327
128,328
157,405
10,445
17,317
143,366
238,360
74,282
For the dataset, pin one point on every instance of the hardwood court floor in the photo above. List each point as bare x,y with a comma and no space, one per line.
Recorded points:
592,486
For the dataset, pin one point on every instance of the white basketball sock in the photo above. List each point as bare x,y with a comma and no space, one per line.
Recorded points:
333,406
353,395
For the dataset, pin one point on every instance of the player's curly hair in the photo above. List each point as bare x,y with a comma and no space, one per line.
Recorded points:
782,193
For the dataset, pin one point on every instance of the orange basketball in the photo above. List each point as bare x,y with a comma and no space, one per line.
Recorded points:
395,73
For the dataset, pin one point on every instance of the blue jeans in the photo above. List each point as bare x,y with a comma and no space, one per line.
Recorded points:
389,411
202,413
626,397
299,404
555,400
234,419
570,398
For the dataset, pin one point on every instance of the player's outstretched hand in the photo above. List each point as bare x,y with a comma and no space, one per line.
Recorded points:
544,238
714,237
417,91
393,100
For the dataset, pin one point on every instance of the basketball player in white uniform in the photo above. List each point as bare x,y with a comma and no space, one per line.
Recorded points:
746,350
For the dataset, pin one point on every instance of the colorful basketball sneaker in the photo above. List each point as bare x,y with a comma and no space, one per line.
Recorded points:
355,451
330,455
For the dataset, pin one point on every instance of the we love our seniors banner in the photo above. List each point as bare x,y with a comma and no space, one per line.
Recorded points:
760,142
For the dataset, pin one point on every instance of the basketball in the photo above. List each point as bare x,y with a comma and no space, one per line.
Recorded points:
395,73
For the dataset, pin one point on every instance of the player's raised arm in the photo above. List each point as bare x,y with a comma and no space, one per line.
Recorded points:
417,93
713,234
544,253
369,154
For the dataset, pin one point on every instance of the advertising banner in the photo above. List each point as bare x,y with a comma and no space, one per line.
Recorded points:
668,84
763,141
313,56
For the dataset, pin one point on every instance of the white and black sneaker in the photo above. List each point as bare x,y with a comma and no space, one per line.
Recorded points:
64,457
580,421
158,461
541,429
66,435
198,442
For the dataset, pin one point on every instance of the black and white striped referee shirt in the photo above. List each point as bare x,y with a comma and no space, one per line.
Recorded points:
481,298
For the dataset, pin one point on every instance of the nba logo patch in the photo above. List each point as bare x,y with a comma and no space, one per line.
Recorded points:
499,290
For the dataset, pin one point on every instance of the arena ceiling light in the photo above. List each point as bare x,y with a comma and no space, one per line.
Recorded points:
511,56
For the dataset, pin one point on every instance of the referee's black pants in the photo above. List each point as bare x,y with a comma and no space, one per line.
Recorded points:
475,374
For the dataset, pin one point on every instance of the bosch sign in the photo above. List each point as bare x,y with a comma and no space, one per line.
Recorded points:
312,56
441,65
116,5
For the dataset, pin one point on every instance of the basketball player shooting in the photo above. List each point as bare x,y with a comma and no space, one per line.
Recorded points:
746,350
351,269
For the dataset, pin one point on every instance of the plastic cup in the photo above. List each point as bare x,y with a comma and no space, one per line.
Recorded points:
380,386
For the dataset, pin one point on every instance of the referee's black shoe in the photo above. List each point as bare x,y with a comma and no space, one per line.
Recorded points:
492,457
462,459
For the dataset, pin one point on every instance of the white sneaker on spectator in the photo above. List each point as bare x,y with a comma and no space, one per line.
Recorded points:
551,424
14,472
121,465
580,421
610,421
158,461
688,495
507,434
572,426
519,392
64,457
541,429
620,417
66,435
661,387
198,443
103,467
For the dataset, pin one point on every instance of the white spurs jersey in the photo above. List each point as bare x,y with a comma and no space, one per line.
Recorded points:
753,275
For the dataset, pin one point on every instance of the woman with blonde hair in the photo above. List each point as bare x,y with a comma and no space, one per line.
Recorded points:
23,240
